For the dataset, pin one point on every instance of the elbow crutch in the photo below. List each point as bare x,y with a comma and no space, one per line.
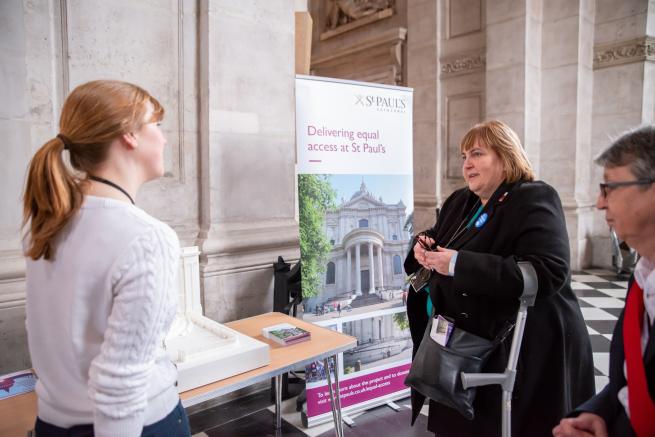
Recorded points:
506,379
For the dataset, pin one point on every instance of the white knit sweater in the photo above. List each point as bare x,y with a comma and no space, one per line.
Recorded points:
96,318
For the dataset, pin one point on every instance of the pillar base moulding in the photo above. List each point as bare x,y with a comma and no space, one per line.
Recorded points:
425,201
424,211
579,222
234,248
186,232
573,206
12,280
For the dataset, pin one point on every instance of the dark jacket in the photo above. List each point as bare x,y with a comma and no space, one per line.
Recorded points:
555,370
606,403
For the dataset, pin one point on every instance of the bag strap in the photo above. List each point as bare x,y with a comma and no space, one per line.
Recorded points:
500,337
504,332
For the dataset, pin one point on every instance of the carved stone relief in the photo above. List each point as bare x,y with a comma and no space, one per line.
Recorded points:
375,52
462,64
377,59
625,52
342,12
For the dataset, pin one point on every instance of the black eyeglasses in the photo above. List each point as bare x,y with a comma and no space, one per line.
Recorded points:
422,243
606,187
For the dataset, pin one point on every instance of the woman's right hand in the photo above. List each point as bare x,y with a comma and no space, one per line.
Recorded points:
420,249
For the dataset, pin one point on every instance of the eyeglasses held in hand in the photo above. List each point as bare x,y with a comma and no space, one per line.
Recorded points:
422,243
606,187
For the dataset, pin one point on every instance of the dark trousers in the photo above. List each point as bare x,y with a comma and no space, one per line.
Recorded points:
176,424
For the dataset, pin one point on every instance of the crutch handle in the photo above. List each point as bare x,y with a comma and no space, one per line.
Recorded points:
530,283
505,380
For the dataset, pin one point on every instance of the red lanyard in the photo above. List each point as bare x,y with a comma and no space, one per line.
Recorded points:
642,408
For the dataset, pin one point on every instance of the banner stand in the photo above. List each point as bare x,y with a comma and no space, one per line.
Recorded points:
355,199
354,409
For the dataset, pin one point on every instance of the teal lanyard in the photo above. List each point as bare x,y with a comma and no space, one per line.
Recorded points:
428,305
475,216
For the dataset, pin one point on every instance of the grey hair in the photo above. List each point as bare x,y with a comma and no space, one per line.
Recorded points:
635,148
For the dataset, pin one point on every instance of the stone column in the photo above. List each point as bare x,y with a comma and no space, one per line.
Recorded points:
349,270
423,75
566,115
371,269
380,269
624,90
246,122
513,75
27,98
539,80
358,268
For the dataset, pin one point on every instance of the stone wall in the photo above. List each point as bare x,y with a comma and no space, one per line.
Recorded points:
423,77
224,71
461,85
567,75
369,48
623,87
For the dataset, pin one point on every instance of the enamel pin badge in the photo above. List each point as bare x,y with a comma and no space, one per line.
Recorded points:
481,220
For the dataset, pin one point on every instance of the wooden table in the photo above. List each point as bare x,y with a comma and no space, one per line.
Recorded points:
17,414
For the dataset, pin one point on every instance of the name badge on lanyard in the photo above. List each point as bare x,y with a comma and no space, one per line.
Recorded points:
441,330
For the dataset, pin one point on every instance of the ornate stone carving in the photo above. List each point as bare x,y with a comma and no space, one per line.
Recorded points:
376,58
624,52
341,12
462,64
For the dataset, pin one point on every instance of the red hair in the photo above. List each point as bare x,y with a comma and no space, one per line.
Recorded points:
94,114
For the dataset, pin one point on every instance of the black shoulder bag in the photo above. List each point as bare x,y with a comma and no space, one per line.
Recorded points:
436,369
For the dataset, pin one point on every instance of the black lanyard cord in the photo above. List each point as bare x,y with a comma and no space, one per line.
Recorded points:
111,184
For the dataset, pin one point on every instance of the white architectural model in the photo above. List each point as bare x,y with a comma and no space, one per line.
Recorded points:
203,350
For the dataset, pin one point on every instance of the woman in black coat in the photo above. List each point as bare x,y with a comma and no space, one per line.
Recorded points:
501,218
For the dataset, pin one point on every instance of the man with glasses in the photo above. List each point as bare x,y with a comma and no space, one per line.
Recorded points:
626,406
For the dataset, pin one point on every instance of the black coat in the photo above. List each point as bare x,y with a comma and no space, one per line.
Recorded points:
606,403
555,370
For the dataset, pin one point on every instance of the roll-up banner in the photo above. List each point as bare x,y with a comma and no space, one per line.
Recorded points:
355,199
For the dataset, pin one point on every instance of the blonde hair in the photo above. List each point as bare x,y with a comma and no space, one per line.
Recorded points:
500,138
94,114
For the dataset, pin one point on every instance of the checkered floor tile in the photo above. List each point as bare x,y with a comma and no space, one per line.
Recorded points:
601,298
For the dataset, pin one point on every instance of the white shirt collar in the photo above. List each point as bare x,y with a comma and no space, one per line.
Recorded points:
645,277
